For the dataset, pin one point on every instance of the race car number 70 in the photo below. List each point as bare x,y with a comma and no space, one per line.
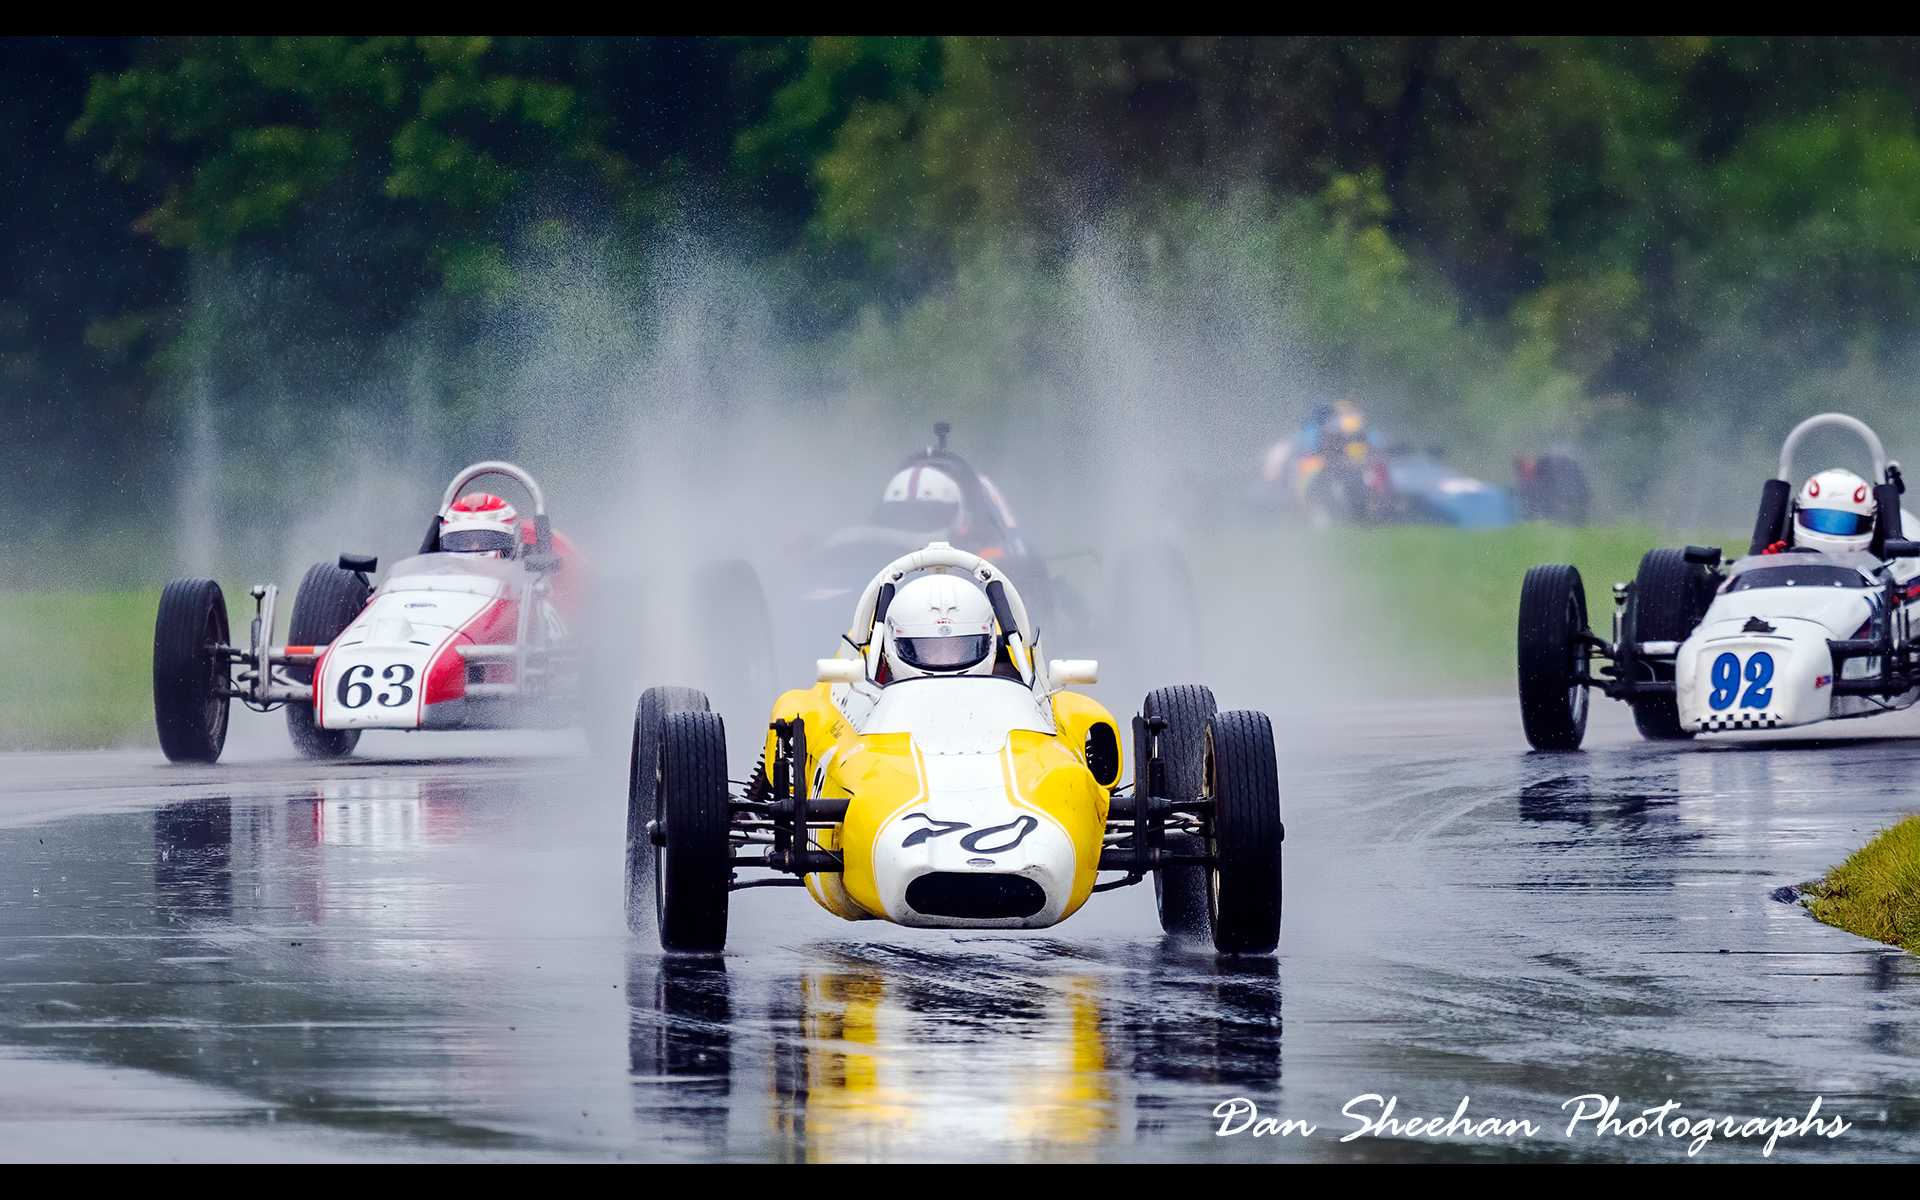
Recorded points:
355,692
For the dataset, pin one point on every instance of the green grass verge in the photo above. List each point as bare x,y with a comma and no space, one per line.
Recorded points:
76,671
1446,602
1875,893
1438,608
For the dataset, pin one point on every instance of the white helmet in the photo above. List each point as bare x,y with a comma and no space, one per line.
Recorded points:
939,625
922,483
480,524
1833,512
920,498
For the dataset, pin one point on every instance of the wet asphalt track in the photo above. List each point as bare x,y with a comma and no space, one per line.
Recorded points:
403,957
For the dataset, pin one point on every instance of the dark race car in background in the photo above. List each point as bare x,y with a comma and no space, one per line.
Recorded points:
1147,632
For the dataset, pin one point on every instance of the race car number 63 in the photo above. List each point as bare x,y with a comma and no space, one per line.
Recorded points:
354,691
1727,674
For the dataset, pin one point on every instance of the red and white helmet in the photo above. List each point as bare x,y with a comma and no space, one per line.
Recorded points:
920,498
939,625
922,483
1833,512
480,523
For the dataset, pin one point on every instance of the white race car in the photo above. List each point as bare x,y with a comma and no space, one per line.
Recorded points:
447,641
1785,636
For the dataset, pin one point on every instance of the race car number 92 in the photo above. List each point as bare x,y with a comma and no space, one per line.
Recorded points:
355,690
1728,674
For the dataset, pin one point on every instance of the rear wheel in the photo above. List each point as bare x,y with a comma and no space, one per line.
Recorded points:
691,868
1180,892
1155,616
643,784
1553,488
327,602
1553,658
1670,595
1243,898
190,676
736,635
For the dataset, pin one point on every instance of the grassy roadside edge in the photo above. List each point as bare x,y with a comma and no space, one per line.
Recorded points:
1875,893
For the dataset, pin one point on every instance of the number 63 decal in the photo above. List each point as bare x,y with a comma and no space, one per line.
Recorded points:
1727,674
355,691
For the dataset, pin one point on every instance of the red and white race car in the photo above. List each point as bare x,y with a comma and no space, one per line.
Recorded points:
449,640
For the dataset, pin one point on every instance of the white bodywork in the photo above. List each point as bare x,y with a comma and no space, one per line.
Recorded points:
959,729
408,652
969,816
1759,659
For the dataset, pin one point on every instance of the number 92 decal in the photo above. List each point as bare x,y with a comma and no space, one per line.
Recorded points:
1728,675
355,689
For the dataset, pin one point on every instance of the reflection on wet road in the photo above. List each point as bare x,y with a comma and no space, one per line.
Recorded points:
407,957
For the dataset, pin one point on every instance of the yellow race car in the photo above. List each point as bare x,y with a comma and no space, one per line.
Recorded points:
940,775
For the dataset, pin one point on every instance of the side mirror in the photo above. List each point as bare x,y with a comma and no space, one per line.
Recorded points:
1064,671
363,563
1706,556
840,670
1900,548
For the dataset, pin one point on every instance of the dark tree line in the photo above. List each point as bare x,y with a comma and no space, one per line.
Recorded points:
1626,198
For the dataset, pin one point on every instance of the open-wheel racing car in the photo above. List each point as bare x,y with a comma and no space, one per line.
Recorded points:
468,634
1338,468
1814,623
940,775
1150,630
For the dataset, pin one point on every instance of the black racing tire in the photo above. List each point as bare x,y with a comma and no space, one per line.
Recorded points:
1035,584
1156,616
1340,493
1553,487
1180,893
612,649
1553,658
1243,777
1670,595
691,870
735,636
328,601
643,783
190,678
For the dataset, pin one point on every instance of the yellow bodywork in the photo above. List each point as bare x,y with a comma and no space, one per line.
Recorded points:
883,775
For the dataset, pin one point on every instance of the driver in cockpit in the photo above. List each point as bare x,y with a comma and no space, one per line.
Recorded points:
927,500
941,625
1834,512
482,525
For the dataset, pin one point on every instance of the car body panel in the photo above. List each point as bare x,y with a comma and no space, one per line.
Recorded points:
1760,656
952,777
399,664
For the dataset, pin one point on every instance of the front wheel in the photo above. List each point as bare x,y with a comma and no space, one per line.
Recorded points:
1553,658
1243,896
327,602
691,849
190,677
1670,595
643,788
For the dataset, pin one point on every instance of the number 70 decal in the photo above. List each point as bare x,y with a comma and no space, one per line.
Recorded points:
1727,674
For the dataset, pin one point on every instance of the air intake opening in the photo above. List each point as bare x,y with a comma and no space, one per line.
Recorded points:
976,897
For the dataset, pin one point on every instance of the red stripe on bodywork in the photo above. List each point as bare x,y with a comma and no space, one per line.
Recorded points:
447,671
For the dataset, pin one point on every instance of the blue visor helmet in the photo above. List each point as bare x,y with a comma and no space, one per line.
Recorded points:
1836,522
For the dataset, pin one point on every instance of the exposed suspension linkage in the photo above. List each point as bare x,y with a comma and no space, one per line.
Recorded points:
777,816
